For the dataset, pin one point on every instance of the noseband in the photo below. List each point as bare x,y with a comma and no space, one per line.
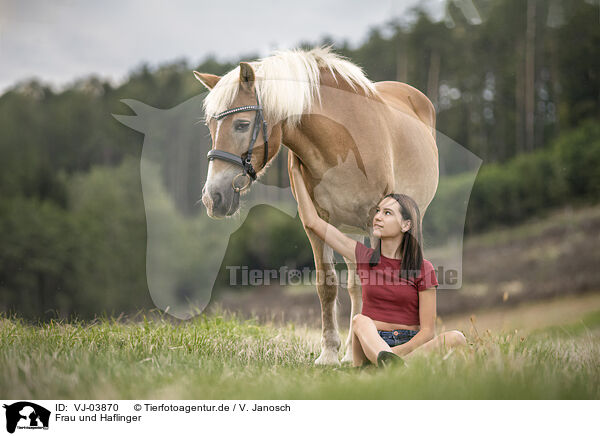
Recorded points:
246,163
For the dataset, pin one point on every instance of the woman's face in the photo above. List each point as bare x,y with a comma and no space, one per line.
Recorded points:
388,221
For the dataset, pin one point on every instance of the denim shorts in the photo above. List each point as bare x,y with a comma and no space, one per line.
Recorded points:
397,337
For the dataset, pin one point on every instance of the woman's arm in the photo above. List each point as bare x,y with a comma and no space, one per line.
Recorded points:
311,219
427,323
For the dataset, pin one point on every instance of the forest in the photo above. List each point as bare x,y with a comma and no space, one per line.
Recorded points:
518,85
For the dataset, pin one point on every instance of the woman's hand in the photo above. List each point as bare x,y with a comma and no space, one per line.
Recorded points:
295,165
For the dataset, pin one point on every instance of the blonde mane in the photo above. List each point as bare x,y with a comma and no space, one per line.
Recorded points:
288,83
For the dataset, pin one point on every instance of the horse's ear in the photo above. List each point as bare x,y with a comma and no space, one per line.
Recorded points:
208,80
246,75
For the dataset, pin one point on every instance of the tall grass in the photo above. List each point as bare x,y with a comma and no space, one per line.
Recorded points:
223,357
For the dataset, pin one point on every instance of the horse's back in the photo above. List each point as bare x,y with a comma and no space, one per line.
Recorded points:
408,99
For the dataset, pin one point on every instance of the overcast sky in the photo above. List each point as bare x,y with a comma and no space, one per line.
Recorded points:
61,40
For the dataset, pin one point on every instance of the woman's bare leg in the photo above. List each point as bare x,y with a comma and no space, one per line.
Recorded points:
442,342
371,343
358,355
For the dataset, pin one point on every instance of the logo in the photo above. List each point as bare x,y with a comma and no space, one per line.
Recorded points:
26,415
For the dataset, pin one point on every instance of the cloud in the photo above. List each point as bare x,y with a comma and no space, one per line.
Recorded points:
61,40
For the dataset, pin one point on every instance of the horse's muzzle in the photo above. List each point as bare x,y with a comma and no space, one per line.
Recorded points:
219,205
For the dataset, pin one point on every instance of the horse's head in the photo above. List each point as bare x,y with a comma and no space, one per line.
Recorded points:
238,130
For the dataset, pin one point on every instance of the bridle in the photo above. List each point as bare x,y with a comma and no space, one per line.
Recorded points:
246,163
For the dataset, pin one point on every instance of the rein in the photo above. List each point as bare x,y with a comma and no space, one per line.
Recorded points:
246,163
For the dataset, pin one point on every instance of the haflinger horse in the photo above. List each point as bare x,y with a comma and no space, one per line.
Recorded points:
323,108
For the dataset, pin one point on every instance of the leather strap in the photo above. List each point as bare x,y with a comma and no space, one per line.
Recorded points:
225,155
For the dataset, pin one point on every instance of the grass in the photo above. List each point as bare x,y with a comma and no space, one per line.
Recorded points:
223,357
585,326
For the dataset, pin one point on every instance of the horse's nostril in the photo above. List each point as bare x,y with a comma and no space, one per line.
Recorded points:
217,199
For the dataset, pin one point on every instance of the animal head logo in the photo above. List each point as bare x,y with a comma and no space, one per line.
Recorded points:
26,415
186,247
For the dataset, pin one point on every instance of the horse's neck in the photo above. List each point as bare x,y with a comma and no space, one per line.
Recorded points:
309,142
333,127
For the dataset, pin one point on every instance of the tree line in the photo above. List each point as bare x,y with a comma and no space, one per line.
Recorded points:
515,82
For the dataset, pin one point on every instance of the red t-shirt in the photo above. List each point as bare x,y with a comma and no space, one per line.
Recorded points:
387,297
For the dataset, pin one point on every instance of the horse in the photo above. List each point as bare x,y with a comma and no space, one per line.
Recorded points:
357,141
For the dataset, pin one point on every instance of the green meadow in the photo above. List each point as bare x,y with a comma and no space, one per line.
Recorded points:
223,357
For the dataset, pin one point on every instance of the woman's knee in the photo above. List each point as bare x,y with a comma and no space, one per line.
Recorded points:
456,338
359,320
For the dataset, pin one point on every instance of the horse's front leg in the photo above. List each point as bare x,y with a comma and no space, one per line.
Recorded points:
327,287
355,291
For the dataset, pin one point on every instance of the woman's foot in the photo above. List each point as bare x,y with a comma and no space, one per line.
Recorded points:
387,358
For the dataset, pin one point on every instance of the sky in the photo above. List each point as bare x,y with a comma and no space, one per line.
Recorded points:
61,40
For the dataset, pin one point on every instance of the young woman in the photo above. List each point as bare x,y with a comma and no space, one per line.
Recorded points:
398,285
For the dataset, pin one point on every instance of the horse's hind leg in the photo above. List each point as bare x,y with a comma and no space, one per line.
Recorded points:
327,289
355,291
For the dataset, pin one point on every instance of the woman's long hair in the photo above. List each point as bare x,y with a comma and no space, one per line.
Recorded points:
410,246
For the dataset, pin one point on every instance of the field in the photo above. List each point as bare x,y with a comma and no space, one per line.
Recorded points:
223,357
533,332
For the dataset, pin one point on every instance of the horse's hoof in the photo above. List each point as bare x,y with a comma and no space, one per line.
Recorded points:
328,357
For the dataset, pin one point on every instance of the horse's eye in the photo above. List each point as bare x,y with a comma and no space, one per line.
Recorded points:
241,126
